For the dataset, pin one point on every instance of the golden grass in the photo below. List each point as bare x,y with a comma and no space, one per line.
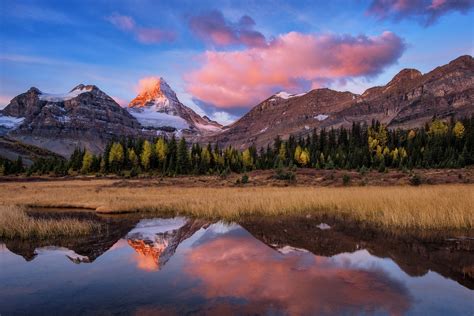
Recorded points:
15,223
425,207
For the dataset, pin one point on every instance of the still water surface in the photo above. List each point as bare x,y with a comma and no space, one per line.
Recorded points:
180,266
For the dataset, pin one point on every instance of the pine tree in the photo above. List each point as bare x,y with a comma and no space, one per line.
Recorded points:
182,164
18,165
282,153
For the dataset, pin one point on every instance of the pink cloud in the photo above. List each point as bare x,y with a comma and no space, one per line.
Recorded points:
153,36
293,61
122,22
215,29
122,102
427,11
5,100
147,84
142,34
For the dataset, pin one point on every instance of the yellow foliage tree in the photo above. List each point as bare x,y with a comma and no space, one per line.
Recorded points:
247,158
458,130
116,153
145,156
304,157
377,137
282,152
206,156
161,149
132,157
87,162
438,128
298,151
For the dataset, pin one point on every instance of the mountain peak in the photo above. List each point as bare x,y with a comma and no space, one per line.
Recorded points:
84,88
404,75
154,92
464,59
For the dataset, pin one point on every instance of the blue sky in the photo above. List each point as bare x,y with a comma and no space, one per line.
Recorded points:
207,50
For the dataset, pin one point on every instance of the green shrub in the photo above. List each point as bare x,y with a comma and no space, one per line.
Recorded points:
415,179
285,175
346,179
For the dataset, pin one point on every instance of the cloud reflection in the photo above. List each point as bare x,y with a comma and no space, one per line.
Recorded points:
297,283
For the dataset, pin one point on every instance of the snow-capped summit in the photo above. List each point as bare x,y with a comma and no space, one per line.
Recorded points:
66,96
157,106
157,95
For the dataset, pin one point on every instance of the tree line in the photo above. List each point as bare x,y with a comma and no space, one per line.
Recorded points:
438,144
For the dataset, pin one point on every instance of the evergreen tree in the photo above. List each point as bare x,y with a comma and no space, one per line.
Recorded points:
182,164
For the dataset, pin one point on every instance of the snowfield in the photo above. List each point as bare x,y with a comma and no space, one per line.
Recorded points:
64,96
210,128
148,228
286,95
148,117
321,117
10,122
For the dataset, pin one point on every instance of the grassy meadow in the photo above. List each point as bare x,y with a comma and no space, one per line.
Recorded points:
15,223
424,207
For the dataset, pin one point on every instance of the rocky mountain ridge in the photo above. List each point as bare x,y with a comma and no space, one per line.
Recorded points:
85,117
409,100
88,117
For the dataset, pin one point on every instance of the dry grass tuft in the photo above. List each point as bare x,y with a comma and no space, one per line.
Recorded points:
424,207
15,223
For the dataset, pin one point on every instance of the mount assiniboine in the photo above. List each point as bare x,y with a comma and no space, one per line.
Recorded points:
157,107
88,117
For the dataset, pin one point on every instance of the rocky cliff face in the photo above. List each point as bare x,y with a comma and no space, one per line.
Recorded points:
85,117
409,100
158,108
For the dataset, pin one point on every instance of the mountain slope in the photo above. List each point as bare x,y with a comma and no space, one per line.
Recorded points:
158,107
409,100
85,117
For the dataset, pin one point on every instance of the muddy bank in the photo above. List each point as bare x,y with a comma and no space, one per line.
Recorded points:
304,177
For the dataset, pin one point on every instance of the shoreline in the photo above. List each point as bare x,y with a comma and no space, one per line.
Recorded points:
304,177
433,207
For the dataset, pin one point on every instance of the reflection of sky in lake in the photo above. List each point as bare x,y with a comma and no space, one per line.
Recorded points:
222,270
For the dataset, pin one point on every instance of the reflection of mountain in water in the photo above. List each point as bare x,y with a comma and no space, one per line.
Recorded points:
155,242
452,258
155,248
84,248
